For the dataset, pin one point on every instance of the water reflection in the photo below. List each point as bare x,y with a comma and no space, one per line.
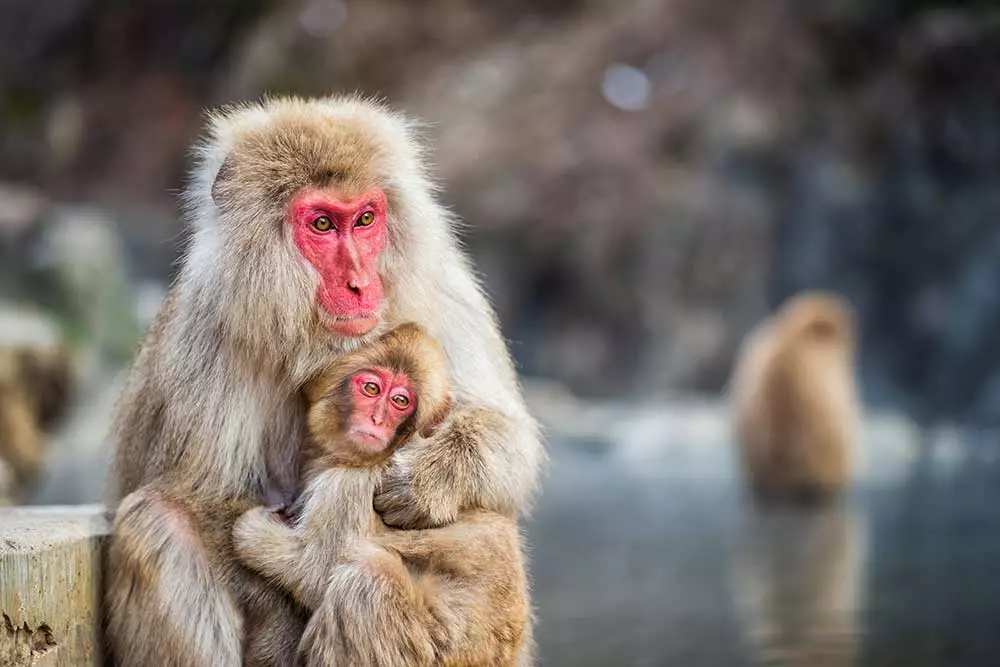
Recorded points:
798,585
645,553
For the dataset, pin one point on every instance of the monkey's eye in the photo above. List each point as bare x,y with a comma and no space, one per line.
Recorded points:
367,218
400,401
322,224
370,388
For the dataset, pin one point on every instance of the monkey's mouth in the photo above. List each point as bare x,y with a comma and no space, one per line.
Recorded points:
354,326
369,439
350,320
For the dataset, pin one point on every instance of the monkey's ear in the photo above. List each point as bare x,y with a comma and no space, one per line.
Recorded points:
220,189
437,417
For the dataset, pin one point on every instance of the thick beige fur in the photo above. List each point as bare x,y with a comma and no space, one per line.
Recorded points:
794,399
455,595
212,416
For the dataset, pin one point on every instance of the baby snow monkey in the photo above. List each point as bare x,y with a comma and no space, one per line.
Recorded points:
455,595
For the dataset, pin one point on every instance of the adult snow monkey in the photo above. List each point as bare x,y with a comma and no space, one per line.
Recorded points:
314,230
795,401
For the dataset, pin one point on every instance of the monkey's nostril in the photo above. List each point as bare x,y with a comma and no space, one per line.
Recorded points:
358,282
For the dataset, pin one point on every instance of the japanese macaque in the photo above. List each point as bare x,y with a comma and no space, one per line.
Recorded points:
794,398
455,595
315,230
36,382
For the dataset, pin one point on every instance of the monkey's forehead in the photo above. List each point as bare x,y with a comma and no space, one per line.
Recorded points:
351,143
374,359
289,158
390,362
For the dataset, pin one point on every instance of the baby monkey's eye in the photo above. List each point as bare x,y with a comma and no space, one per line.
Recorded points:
366,219
322,224
402,402
370,388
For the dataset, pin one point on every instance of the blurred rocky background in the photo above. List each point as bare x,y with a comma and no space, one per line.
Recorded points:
644,178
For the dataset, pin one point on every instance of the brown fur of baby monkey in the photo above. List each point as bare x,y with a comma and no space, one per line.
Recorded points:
454,596
315,229
795,401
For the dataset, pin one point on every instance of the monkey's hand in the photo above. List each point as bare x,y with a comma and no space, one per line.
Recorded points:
265,543
430,480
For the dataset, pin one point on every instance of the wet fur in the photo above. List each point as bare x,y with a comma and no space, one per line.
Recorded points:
794,399
212,411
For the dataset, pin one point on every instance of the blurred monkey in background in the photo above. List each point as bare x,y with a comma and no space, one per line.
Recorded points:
35,386
794,399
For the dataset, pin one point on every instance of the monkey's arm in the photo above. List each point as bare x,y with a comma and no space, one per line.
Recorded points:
300,558
480,544
271,548
459,554
489,453
479,457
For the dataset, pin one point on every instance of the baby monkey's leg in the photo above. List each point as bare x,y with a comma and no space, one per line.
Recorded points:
371,616
266,544
470,586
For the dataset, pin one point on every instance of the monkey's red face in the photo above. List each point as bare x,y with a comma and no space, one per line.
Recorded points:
382,401
341,239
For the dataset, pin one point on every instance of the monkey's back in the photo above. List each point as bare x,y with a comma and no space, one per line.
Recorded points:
796,412
815,414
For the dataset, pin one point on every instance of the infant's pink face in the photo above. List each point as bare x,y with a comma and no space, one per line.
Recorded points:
382,401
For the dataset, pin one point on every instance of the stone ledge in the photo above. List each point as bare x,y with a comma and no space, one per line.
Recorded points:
50,585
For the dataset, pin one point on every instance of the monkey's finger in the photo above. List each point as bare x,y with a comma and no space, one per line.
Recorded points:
405,515
257,515
404,518
395,491
386,502
397,507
